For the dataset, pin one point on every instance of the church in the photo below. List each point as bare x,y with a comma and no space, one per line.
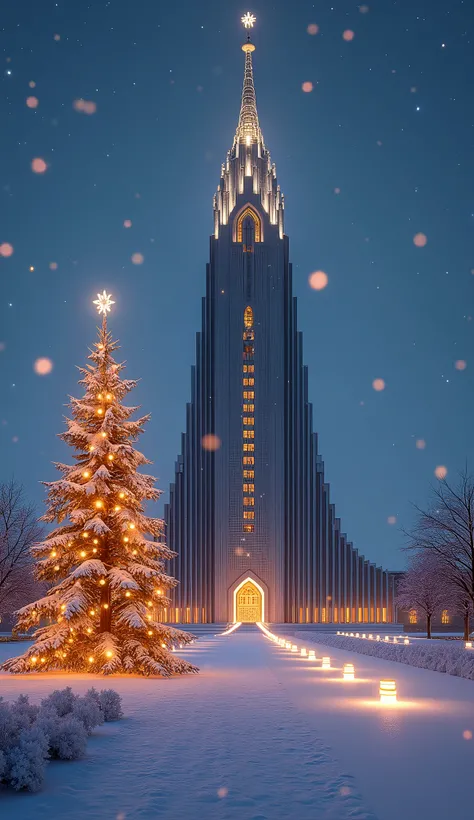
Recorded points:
250,514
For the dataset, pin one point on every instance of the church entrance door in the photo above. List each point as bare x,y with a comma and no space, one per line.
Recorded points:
249,604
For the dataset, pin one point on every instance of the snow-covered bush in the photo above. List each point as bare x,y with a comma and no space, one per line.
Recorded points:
25,761
68,739
61,700
30,735
439,656
111,704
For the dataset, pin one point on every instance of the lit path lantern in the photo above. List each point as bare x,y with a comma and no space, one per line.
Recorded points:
294,648
311,655
388,691
326,664
287,645
468,644
406,641
348,672
303,652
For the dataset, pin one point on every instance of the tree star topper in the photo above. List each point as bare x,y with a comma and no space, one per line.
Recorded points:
248,20
103,302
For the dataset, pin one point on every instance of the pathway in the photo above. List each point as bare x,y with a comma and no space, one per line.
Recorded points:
263,735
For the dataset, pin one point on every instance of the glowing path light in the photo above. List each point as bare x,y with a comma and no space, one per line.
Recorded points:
406,641
294,648
230,630
348,672
103,302
388,691
287,645
303,652
326,664
311,655
468,644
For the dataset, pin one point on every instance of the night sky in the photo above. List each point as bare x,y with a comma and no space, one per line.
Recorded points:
378,152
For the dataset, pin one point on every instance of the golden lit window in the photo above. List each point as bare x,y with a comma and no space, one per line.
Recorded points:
249,501
246,382
248,350
250,368
249,473
445,617
248,317
413,616
248,460
248,394
248,433
248,408
249,515
245,368
248,420
248,488
248,528
248,211
248,447
248,335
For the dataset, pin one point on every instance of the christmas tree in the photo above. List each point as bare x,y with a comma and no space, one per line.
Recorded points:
107,578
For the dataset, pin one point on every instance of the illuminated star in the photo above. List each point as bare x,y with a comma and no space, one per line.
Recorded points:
103,302
248,20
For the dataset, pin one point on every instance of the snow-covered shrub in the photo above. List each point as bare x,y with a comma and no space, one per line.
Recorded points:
89,712
61,700
439,656
111,704
68,740
30,734
25,761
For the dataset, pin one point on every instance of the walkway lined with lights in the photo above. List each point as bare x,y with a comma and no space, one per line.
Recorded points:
409,759
264,732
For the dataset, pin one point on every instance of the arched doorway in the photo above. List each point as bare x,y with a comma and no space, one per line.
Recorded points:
248,603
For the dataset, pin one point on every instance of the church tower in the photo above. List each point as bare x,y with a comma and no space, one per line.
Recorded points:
249,515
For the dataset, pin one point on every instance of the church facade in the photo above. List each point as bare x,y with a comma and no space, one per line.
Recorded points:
250,514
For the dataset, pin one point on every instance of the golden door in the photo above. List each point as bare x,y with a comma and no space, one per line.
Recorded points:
249,604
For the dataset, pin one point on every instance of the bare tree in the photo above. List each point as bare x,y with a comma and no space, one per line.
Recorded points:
446,529
423,588
19,530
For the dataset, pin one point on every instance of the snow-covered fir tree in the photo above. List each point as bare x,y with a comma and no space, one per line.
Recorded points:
105,561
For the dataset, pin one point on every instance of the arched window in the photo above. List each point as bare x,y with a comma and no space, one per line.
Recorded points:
248,226
248,317
413,616
445,617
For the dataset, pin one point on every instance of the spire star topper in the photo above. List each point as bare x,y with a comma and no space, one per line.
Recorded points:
248,20
103,302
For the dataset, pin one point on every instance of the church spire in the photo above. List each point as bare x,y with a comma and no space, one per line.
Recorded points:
248,128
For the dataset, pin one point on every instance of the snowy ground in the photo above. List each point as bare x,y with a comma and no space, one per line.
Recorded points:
262,734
